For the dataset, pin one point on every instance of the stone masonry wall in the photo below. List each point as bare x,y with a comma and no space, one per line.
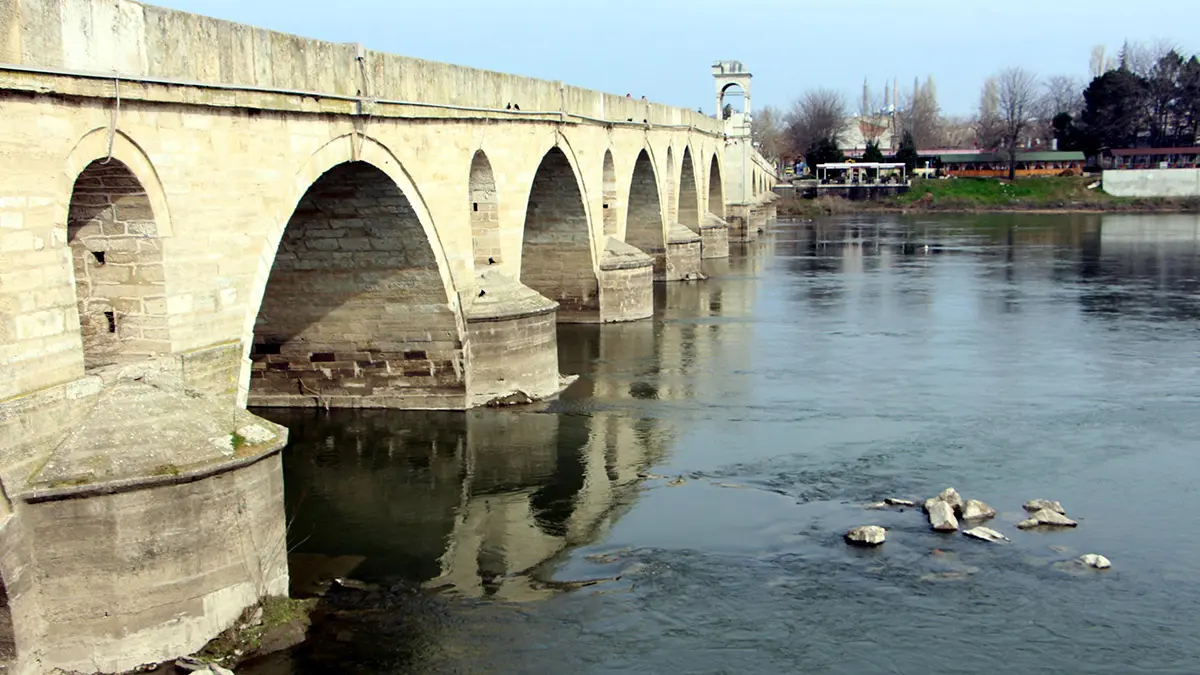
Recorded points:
119,277
485,214
556,258
355,307
518,354
689,208
644,224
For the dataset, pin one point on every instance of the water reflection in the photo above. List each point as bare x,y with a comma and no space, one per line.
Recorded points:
822,366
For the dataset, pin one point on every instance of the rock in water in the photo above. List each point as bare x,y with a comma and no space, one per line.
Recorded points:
1095,560
941,516
866,535
986,534
218,670
977,510
1047,517
1035,505
951,497
892,501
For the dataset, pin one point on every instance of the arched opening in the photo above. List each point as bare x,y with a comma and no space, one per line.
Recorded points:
485,212
556,255
733,100
672,204
610,195
689,210
117,257
355,312
643,222
716,190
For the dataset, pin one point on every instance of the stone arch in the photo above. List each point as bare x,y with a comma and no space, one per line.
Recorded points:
644,226
689,209
735,96
485,212
94,145
556,244
716,189
611,206
672,202
116,255
340,150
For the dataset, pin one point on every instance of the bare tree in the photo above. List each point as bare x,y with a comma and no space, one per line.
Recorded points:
767,132
1141,58
987,122
1062,94
922,115
817,115
1016,97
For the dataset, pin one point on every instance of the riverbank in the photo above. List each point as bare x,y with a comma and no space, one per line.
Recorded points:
967,195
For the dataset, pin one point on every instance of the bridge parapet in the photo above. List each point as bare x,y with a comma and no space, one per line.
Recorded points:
111,39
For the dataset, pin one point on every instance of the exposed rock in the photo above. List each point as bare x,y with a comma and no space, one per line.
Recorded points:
516,398
951,497
977,510
1046,517
986,534
190,664
866,535
892,501
676,481
1095,560
1035,505
218,670
941,516
876,506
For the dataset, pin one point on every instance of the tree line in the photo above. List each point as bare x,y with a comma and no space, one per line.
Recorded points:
1146,96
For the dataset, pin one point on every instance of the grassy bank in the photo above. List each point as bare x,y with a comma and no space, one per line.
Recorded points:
981,195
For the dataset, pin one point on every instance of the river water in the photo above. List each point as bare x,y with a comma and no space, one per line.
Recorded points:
712,458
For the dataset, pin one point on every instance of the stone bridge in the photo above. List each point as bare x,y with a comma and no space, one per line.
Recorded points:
196,215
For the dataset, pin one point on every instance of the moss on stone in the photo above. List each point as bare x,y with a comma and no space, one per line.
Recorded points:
251,634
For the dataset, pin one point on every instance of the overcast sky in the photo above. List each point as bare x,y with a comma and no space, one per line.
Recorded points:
663,48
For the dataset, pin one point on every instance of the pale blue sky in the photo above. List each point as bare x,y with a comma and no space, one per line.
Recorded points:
663,48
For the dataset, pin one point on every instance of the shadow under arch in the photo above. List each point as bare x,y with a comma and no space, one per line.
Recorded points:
354,301
557,256
689,209
672,193
644,227
716,189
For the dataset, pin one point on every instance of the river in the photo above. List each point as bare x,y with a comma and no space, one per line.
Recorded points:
712,458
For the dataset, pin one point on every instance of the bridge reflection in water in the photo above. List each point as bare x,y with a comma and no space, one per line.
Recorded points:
485,502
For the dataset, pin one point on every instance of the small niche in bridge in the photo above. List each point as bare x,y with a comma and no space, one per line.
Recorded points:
99,256
111,317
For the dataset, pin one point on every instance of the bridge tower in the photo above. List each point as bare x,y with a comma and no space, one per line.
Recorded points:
740,174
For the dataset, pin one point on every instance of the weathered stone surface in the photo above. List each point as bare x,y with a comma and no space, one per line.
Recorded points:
1095,560
951,497
714,235
683,254
1046,517
219,670
974,509
866,535
626,283
941,516
1035,505
985,533
136,430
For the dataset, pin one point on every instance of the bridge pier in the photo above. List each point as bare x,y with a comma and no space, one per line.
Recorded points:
512,342
683,254
113,553
626,283
714,237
